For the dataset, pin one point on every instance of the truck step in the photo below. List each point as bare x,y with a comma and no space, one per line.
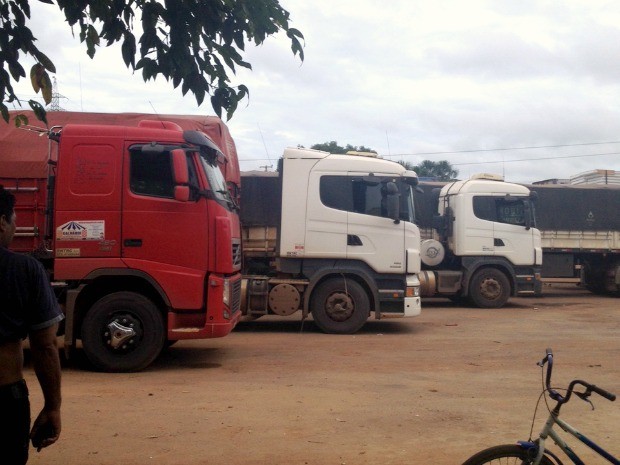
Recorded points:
186,330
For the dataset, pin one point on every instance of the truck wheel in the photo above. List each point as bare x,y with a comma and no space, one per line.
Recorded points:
123,331
489,288
340,306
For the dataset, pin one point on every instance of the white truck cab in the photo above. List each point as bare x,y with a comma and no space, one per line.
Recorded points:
346,238
485,245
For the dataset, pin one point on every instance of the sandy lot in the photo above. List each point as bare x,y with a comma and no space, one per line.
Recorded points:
432,389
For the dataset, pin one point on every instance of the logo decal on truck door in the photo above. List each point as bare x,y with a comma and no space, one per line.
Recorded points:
81,231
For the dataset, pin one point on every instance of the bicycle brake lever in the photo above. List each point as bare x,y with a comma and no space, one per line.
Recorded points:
585,397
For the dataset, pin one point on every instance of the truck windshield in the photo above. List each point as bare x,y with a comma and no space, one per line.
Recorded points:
216,181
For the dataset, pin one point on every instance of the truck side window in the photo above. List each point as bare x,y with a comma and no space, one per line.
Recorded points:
151,174
499,210
337,192
353,195
484,208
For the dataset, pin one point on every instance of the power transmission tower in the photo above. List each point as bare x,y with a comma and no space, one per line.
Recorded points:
55,105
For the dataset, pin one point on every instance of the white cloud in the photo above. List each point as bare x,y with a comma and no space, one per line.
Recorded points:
402,77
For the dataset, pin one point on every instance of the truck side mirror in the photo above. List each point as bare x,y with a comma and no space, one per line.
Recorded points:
440,224
393,201
179,165
181,175
449,213
528,215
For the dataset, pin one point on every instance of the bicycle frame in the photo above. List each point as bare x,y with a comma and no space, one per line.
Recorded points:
534,452
548,431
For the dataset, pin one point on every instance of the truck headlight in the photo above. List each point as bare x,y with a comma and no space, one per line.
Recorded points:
413,291
226,291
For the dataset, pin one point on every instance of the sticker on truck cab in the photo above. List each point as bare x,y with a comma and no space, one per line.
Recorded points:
64,253
81,231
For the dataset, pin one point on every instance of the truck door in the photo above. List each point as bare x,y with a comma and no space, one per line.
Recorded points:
511,239
362,230
87,203
162,235
326,215
372,237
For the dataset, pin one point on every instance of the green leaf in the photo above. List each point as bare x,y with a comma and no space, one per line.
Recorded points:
25,7
216,103
92,40
292,32
231,109
5,112
200,94
296,45
45,61
194,44
21,120
128,50
16,70
243,92
46,88
18,15
39,111
35,76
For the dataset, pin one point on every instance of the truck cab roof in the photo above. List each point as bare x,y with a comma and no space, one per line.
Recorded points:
483,186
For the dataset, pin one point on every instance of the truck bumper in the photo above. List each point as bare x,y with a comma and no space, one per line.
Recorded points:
413,306
220,317
413,303
401,304
529,283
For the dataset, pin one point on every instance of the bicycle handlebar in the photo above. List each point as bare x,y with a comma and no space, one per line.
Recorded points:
592,388
555,395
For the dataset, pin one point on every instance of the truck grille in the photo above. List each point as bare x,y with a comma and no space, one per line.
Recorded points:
236,254
236,296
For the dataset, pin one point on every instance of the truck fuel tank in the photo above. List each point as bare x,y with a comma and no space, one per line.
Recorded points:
432,252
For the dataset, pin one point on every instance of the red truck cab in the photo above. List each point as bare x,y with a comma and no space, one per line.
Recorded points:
143,238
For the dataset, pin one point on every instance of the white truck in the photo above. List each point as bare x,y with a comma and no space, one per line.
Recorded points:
332,236
481,241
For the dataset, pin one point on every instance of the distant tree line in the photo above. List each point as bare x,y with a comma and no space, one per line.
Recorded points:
437,170
333,147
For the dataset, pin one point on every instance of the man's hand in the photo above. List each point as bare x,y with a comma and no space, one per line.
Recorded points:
46,429
46,362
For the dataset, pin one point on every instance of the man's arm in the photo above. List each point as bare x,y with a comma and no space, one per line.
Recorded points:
46,362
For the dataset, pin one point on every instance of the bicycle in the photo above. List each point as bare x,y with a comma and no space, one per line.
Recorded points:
534,452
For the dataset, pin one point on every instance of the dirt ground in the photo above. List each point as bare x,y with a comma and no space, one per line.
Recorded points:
431,389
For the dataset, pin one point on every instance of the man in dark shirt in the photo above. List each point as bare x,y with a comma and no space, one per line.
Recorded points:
28,308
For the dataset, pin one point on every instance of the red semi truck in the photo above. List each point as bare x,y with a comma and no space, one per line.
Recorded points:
137,257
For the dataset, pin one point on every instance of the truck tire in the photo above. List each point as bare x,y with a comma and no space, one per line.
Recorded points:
340,306
122,332
489,288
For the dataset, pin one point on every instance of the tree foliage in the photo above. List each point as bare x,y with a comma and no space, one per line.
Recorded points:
333,147
194,44
439,170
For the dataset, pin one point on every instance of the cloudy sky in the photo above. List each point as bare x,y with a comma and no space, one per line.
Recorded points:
525,88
